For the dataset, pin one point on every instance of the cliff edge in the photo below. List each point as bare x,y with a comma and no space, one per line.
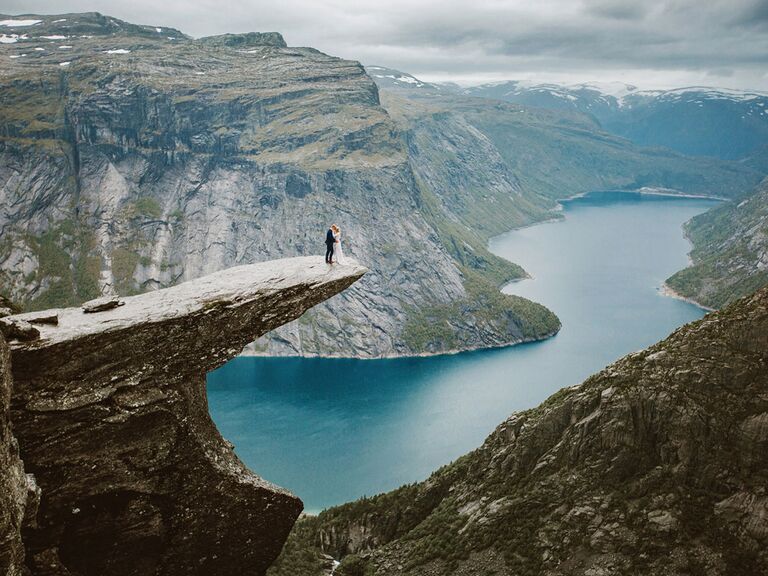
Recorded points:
111,416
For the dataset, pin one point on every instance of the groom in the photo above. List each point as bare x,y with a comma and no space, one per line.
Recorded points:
329,242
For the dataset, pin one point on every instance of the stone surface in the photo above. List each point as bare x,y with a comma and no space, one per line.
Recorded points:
13,484
657,465
111,415
101,304
18,329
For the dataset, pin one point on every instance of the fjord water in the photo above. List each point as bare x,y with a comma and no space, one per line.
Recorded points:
332,430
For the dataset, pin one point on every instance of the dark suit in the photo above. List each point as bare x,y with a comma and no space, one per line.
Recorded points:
329,242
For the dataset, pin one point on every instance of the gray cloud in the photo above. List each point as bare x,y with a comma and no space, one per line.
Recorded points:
652,43
721,73
754,14
618,9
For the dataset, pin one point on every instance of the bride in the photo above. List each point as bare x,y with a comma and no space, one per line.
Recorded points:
338,251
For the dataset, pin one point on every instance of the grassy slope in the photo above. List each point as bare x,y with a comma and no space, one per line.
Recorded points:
730,251
484,274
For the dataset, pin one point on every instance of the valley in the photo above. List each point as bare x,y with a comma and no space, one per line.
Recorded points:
386,423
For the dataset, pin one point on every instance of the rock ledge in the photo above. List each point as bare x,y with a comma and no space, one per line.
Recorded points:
111,416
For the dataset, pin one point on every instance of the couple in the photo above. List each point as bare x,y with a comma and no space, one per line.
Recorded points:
333,245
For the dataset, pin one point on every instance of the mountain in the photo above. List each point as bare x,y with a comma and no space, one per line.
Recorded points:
134,157
656,465
554,153
695,120
730,251
390,78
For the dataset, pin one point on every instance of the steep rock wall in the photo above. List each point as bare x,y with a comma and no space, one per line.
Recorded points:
12,480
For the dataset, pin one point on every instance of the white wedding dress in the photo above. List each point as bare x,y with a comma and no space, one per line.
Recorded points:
338,252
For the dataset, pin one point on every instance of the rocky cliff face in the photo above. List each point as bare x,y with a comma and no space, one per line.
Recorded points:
13,483
730,251
110,412
656,465
132,158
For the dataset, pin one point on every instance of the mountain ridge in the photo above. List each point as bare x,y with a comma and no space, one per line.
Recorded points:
724,123
694,120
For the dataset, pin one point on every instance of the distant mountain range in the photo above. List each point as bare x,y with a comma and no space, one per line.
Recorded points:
696,120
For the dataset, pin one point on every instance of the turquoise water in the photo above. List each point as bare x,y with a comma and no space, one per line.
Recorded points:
334,430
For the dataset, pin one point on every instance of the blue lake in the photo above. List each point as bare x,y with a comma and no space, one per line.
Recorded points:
332,430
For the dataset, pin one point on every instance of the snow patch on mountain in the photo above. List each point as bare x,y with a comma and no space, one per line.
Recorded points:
19,23
396,78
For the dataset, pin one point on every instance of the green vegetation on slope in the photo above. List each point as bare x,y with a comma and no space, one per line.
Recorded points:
65,260
484,310
558,154
730,251
434,328
561,156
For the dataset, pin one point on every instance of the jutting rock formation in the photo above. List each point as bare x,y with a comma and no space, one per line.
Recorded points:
111,416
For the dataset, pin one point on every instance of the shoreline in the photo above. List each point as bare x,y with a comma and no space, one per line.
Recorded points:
669,292
648,191
665,290
453,352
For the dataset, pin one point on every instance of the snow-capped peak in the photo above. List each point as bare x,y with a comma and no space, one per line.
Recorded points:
395,78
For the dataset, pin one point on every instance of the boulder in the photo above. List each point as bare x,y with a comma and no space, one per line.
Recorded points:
101,304
43,317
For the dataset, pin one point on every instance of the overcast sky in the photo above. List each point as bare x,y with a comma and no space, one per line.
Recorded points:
648,43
